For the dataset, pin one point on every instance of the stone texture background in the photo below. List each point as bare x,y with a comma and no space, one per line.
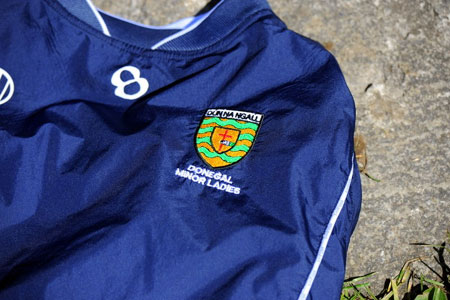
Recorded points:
395,55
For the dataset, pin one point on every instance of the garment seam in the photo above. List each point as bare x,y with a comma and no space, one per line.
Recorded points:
99,18
186,30
160,53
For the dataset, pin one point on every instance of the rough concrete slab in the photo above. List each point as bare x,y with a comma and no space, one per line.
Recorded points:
395,55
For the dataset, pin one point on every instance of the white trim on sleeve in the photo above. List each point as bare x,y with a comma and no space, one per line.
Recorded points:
326,237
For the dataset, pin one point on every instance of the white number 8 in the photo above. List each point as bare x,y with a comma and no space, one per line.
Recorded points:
117,81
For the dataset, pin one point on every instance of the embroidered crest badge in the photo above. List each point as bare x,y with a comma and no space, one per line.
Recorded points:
226,136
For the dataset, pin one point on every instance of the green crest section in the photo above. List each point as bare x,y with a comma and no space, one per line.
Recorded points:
225,136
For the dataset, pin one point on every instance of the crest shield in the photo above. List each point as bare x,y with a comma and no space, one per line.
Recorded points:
224,136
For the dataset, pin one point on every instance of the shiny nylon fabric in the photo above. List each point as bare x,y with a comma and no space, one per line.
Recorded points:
90,206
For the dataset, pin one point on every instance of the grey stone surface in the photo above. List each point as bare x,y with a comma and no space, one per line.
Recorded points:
395,56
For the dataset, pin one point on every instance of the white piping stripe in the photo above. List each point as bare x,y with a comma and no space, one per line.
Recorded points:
326,238
99,18
180,24
186,30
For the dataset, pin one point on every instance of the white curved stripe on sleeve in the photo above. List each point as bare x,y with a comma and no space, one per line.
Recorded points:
326,237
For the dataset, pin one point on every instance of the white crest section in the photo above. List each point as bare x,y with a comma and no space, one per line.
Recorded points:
7,90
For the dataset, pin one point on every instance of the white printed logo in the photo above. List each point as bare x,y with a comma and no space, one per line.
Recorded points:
6,89
120,85
208,178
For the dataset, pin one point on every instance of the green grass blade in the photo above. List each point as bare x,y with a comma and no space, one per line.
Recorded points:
359,278
370,293
433,282
438,294
424,296
395,289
